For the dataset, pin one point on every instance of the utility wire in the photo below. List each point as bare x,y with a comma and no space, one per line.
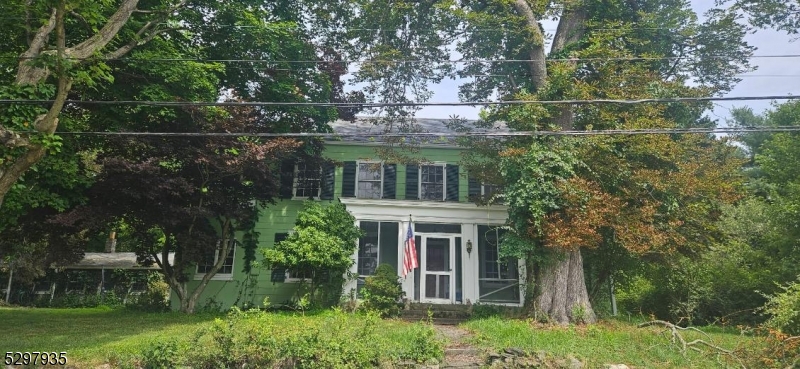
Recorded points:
412,61
398,104
607,132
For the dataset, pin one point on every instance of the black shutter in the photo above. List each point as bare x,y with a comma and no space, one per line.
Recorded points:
349,179
279,274
390,181
287,179
412,182
474,188
328,181
452,182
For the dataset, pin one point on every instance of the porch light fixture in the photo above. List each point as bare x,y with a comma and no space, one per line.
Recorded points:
469,246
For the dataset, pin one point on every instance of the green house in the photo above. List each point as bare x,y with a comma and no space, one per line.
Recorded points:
456,240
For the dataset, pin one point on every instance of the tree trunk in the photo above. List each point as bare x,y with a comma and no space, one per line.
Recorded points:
563,297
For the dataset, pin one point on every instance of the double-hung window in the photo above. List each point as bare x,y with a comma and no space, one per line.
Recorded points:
307,181
225,271
369,180
432,182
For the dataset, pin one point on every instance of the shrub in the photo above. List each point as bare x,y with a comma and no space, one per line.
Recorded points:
155,298
425,345
257,339
382,292
784,309
161,355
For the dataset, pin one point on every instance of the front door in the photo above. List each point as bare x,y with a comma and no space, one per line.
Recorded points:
437,270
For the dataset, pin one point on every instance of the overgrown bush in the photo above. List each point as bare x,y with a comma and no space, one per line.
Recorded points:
155,298
256,339
321,247
783,308
161,355
382,292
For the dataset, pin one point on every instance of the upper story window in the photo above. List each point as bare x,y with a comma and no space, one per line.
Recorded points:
308,181
225,271
432,182
369,180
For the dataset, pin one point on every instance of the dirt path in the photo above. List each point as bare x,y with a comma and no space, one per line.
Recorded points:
458,353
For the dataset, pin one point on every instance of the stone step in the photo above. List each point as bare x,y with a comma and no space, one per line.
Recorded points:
423,314
438,307
437,321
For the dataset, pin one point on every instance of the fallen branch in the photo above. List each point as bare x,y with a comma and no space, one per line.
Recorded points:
691,345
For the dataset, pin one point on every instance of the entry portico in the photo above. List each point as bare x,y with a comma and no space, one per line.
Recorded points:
456,250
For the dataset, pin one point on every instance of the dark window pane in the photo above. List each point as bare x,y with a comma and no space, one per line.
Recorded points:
437,228
437,253
368,249
389,243
309,178
432,182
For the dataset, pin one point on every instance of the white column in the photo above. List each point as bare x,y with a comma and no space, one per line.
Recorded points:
352,284
469,262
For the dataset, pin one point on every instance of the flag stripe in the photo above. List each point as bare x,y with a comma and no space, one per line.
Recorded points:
409,252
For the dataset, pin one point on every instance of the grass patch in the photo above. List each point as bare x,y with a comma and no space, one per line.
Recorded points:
608,342
94,335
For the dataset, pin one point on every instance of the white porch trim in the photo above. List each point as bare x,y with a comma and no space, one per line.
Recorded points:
467,214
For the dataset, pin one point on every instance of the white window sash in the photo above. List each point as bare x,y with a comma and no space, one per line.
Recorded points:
444,180
358,172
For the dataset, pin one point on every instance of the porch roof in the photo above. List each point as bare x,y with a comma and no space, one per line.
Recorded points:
112,260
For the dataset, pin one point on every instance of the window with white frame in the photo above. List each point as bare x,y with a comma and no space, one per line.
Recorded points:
432,182
369,180
225,271
307,180
292,275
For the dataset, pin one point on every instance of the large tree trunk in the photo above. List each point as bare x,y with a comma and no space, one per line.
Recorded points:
561,283
563,297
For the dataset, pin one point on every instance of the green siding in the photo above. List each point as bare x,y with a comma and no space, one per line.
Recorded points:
280,217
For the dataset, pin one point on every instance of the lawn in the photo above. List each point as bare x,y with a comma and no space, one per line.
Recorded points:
101,335
609,342
92,335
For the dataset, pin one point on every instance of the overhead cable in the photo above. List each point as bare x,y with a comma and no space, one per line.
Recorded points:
434,135
398,104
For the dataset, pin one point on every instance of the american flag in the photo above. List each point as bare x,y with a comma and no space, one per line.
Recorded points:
409,252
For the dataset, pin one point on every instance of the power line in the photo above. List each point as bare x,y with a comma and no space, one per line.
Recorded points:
413,61
399,104
608,132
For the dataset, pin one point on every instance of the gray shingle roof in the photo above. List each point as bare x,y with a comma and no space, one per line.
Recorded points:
374,132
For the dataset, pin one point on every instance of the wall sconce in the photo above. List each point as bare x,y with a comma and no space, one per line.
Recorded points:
469,246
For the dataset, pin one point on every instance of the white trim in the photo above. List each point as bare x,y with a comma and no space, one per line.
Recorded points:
358,170
296,177
425,211
219,276
290,279
423,272
444,180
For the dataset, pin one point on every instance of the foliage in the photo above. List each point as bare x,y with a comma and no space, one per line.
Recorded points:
321,246
161,355
382,292
609,341
155,298
255,338
783,15
783,309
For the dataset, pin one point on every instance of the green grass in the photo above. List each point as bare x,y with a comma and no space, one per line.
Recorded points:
95,335
608,342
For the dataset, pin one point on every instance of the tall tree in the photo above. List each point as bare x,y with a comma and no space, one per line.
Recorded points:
58,43
551,183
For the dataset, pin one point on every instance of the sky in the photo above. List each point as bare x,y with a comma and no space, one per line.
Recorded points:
773,76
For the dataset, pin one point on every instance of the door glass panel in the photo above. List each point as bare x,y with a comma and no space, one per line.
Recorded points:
444,287
437,255
430,286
